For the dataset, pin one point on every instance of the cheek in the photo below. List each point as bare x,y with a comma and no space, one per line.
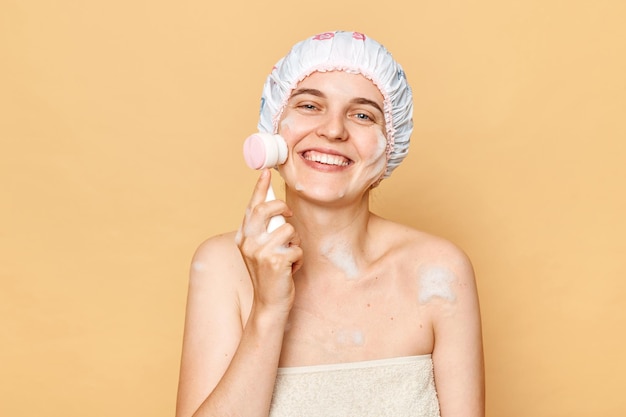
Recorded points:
286,129
381,145
286,125
378,159
290,128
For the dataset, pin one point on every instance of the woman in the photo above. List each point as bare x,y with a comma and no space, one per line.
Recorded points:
338,312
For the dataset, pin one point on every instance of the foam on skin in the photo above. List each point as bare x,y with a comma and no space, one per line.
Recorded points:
377,163
340,255
350,337
436,282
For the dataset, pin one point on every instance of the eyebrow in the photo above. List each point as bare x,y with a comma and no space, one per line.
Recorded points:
318,93
363,100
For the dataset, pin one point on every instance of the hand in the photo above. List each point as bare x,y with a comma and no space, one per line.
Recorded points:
271,258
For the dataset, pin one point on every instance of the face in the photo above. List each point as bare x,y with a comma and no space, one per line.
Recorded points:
334,128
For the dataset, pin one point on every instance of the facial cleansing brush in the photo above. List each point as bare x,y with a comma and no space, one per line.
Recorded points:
265,150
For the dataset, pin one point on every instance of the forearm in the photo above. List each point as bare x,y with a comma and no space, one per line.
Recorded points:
247,385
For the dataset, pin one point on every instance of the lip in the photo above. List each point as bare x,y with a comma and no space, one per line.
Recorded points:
325,167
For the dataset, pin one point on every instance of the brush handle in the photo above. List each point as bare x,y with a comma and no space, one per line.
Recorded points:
276,221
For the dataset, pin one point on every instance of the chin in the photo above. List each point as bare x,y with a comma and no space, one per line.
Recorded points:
325,194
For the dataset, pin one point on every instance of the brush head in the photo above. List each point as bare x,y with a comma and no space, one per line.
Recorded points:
264,150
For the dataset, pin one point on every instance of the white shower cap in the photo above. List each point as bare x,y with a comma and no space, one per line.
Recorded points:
352,52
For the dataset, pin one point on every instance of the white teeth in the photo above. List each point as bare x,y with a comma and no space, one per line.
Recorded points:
326,159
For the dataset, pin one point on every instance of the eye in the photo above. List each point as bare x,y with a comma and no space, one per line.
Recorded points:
364,117
307,107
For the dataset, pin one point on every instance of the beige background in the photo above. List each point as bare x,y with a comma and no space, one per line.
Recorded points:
121,125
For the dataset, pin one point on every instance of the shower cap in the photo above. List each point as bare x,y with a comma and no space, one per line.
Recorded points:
352,52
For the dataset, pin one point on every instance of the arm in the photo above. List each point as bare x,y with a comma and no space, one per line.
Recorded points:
229,368
458,352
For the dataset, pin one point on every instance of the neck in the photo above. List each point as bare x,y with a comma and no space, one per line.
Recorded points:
335,238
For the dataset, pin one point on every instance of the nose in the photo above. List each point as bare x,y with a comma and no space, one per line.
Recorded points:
333,126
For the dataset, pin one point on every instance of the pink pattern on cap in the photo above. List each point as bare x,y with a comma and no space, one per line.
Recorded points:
324,36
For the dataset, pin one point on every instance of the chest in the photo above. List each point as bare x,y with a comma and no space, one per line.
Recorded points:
377,317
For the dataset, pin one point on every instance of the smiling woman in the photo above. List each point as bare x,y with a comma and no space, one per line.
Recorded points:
338,312
334,124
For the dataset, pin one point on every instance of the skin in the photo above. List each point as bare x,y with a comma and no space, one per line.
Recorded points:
350,107
278,299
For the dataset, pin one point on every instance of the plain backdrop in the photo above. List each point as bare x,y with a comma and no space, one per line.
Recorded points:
121,126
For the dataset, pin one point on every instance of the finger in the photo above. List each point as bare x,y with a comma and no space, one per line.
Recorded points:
296,253
260,189
258,197
274,208
287,240
295,240
296,266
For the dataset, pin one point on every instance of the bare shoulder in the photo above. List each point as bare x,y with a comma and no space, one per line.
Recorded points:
219,247
441,270
422,248
217,270
217,255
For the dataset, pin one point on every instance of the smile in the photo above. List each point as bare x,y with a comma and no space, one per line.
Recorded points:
326,159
